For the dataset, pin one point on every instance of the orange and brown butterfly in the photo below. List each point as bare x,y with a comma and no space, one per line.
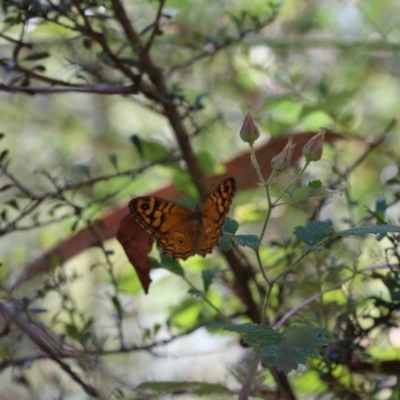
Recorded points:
179,231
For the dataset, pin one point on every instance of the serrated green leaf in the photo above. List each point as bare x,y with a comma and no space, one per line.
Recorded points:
314,232
225,242
230,226
252,241
286,350
370,229
208,276
171,265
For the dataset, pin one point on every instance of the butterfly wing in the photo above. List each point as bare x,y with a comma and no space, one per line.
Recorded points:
214,211
171,224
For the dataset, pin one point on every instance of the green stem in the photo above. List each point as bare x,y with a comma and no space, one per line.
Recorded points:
254,163
204,297
293,182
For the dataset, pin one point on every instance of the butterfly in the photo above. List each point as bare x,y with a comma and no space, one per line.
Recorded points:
179,231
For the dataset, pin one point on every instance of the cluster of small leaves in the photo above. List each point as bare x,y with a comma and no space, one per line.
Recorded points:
387,309
285,350
229,235
319,231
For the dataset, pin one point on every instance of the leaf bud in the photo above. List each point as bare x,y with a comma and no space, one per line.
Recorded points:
281,162
249,131
312,150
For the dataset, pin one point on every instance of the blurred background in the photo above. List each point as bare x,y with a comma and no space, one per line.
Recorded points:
297,66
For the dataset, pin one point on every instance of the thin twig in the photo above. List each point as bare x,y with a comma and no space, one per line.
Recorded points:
43,342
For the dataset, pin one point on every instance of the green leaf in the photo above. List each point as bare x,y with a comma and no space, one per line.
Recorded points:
3,155
366,229
113,160
171,265
316,184
13,203
84,168
151,149
6,187
198,103
225,242
87,43
135,139
72,331
252,241
230,226
132,62
313,233
38,310
195,292
104,58
285,350
40,68
3,215
147,28
304,193
196,388
208,276
37,56
392,281
380,205
206,161
75,225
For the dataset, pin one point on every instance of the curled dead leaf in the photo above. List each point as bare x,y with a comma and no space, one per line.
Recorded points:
137,243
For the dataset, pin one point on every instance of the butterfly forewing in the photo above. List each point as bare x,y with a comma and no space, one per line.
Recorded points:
214,211
158,215
217,205
179,231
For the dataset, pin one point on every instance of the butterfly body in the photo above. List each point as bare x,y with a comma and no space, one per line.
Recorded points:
179,231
